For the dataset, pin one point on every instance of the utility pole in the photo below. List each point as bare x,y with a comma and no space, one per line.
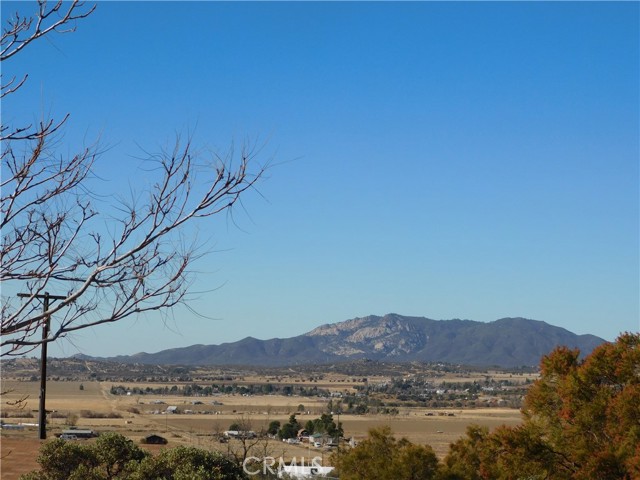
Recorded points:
340,408
42,413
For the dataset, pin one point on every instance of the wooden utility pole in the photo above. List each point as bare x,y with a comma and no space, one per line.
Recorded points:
42,413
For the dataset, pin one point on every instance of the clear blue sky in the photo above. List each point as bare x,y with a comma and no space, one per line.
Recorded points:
447,160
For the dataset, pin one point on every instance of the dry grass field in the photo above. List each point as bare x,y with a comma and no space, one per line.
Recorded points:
204,423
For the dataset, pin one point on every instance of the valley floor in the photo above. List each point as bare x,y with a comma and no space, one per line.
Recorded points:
135,418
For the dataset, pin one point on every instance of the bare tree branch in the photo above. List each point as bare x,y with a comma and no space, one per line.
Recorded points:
21,31
108,266
140,268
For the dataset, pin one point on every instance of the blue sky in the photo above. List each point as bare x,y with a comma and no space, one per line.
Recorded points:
447,160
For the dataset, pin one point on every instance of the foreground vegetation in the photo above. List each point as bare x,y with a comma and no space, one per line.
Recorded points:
581,421
116,457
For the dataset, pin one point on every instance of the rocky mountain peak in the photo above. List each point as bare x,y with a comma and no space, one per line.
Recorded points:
393,337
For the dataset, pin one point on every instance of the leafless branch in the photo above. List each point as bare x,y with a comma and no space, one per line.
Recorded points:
141,267
108,261
20,31
20,402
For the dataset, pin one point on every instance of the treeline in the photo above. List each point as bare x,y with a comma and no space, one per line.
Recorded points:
370,399
421,391
197,390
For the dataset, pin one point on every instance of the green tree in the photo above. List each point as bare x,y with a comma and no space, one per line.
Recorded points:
273,427
463,460
114,453
506,453
382,457
326,424
290,429
116,457
187,463
414,462
590,409
59,460
310,427
581,421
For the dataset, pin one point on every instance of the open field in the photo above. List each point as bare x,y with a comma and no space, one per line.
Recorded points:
201,424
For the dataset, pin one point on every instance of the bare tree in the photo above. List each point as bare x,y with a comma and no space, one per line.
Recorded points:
110,265
251,445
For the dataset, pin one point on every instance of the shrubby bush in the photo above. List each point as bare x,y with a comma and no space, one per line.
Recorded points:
581,421
114,456
93,414
382,457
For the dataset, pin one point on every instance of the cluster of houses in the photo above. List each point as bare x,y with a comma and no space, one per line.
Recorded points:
316,440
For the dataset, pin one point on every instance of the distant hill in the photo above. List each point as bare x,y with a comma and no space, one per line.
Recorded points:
508,342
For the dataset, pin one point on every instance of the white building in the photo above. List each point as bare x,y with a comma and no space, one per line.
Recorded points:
304,471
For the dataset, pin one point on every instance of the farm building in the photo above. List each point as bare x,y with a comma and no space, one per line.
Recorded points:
11,426
240,434
154,440
80,433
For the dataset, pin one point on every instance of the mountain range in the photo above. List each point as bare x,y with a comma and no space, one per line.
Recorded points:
508,342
